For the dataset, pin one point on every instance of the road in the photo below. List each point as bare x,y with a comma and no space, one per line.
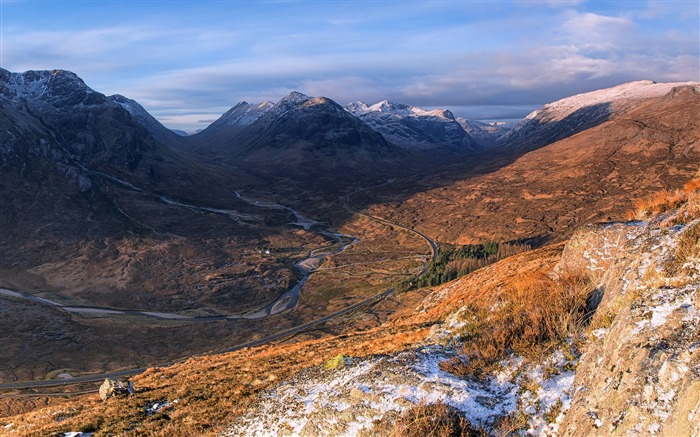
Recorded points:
131,372
434,248
284,302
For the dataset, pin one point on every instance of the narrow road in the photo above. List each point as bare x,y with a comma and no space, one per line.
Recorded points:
131,372
281,304
434,248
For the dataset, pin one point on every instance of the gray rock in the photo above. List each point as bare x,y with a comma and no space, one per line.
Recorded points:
114,387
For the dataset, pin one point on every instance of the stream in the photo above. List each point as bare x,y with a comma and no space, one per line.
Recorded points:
286,301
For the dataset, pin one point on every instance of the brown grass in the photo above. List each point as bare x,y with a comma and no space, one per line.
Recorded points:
532,314
688,249
663,201
435,420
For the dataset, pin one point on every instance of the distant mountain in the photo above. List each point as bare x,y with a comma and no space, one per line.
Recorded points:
243,114
647,145
182,133
154,127
566,117
415,128
306,135
485,134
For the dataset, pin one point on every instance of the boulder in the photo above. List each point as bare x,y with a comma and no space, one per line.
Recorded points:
115,387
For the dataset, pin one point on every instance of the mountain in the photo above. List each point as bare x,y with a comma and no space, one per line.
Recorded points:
485,134
566,117
85,186
415,128
51,118
299,135
241,115
646,144
154,127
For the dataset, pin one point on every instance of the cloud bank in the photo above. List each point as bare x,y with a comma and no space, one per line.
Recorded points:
189,63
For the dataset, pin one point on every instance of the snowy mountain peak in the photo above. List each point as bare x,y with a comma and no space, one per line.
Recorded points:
356,107
414,127
396,109
294,97
637,90
132,106
561,119
53,85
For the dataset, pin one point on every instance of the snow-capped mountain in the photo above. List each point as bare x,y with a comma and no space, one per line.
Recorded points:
568,116
71,120
485,134
300,134
414,128
241,115
159,132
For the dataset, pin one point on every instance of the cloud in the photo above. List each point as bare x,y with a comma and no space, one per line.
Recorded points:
191,65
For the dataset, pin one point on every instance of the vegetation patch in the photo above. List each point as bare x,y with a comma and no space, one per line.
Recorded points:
337,362
434,420
529,317
453,262
667,200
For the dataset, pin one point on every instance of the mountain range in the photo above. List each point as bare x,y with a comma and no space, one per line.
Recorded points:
312,245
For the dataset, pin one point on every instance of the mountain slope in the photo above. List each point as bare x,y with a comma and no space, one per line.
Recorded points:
302,136
228,125
566,117
153,126
593,175
415,128
486,134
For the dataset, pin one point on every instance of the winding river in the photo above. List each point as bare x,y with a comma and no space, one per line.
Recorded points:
286,301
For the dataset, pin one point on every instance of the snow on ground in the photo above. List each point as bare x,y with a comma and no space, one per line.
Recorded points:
349,399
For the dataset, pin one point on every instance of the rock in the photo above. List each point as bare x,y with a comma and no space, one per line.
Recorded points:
594,247
641,376
115,387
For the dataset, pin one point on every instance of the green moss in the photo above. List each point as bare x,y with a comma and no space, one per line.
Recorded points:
339,361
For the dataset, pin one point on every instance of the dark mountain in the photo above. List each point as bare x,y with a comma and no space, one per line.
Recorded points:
415,128
157,130
243,114
301,135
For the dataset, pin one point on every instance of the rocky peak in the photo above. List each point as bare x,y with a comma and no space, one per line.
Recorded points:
56,87
414,127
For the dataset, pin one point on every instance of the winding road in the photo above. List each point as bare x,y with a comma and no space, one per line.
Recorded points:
283,303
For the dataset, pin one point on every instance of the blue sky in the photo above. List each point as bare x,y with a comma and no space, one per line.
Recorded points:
187,62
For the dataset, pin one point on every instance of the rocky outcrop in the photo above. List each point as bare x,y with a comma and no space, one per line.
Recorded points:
640,375
113,387
592,248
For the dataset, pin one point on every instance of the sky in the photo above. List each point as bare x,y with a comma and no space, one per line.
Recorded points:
187,62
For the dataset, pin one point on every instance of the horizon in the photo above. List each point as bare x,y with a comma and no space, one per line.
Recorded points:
187,63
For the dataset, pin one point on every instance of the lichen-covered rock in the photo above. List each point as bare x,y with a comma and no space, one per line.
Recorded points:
593,248
113,387
640,375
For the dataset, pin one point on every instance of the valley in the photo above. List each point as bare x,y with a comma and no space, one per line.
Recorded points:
289,233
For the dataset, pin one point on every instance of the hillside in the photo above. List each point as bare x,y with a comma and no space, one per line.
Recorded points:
545,194
275,281
546,379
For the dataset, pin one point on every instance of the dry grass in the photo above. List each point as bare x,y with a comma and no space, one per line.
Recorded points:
435,420
666,200
687,251
529,316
